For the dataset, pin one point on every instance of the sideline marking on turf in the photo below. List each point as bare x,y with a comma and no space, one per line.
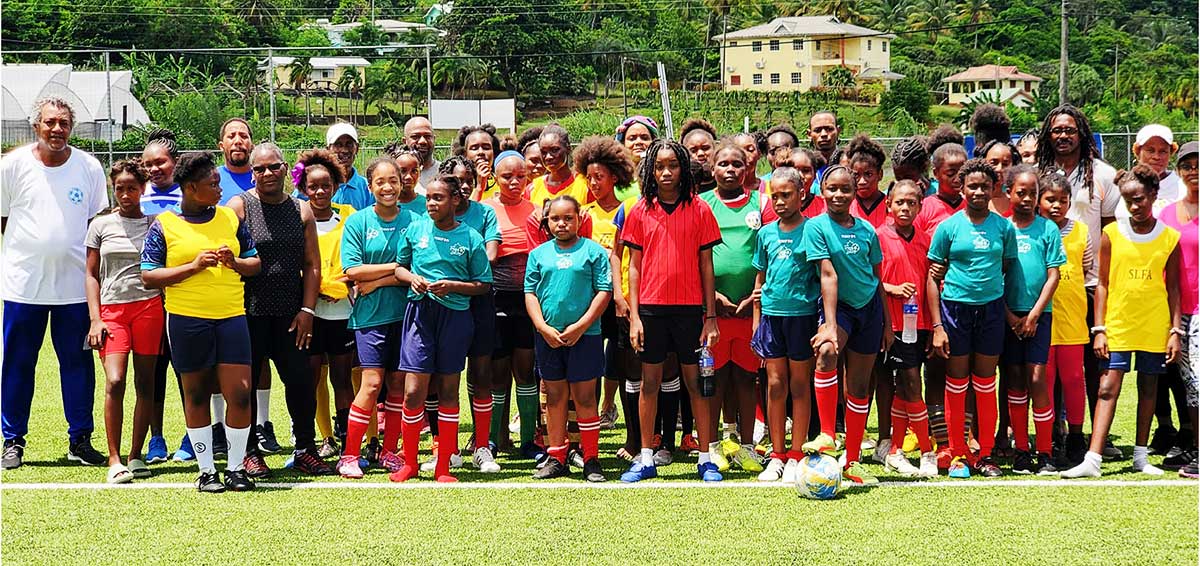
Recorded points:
606,485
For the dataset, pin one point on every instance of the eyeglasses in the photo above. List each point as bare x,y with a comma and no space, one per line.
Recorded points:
1188,166
274,167
1064,131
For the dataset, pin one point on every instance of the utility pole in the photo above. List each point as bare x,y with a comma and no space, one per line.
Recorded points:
624,90
1116,73
1062,56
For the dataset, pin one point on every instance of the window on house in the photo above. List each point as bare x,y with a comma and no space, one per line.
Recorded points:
735,80
774,78
883,46
756,46
818,45
795,78
325,74
757,79
774,45
987,85
1029,86
797,45
868,45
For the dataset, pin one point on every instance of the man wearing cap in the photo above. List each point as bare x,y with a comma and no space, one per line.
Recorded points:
1153,148
342,139
235,145
418,134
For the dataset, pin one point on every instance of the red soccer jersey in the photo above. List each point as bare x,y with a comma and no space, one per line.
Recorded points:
876,215
671,243
815,207
904,261
933,211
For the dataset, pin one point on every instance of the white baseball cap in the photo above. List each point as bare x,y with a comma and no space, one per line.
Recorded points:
343,129
1155,131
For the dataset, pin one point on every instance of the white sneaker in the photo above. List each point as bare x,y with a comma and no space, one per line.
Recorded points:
760,431
867,444
929,467
514,426
774,471
899,464
456,461
1085,469
484,461
790,470
882,451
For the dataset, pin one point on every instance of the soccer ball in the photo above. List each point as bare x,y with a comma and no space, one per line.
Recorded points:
820,477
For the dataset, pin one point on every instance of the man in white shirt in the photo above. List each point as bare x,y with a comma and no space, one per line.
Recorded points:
418,134
1154,146
49,193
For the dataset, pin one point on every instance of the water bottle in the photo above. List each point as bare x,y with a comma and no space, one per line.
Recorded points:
708,375
909,335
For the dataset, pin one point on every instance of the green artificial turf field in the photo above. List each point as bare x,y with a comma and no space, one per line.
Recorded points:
1120,520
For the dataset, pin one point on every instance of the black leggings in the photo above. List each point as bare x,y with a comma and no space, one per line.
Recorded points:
270,340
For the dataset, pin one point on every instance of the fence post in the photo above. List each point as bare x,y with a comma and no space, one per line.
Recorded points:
271,87
108,96
428,87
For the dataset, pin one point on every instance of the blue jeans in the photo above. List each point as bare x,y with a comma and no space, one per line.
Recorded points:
24,331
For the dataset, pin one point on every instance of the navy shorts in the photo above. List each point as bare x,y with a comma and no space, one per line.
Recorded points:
974,329
1033,350
513,328
483,316
785,336
379,346
331,337
863,326
669,329
433,338
582,362
202,343
903,356
1150,363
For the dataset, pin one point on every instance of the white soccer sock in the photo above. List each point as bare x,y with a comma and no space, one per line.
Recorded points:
1141,463
263,396
202,447
705,458
647,457
238,437
218,408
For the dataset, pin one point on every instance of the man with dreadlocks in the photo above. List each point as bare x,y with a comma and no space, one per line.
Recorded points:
1066,146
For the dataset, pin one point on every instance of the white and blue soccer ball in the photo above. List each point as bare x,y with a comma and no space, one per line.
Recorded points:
820,477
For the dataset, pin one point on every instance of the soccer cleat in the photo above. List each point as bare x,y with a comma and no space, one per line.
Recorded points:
774,471
1087,469
391,461
156,451
1045,465
265,433
1191,470
404,474
255,466
716,454
638,472
987,468
328,448
868,443
1076,447
209,483
348,467
514,426
483,460
1177,458
791,470
944,457
760,431
14,455
371,451
663,457
553,469
575,458
882,451
237,480
531,451
959,468
185,452
309,462
929,465
593,472
1111,452
857,474
1163,440
897,463
220,445
746,459
708,472
608,419
80,450
822,444
911,443
1023,463
446,478
689,444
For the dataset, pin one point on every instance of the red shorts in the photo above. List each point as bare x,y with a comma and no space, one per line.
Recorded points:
136,327
734,344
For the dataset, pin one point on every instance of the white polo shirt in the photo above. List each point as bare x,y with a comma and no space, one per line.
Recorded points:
48,209
1104,202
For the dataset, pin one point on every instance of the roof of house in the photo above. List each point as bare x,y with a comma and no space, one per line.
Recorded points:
803,26
874,73
321,62
991,72
1017,96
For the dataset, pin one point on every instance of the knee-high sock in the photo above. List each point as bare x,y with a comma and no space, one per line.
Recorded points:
918,421
202,447
499,416
356,427
956,409
1018,418
324,419
218,408
411,430
825,389
856,424
899,423
431,408
668,411
263,414
372,430
527,408
630,392
589,437
447,438
986,412
687,421
481,416
1069,366
393,409
1043,426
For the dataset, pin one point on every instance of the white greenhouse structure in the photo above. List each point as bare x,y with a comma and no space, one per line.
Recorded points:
88,92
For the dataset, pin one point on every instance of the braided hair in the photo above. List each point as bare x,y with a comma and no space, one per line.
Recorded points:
911,152
687,180
166,139
1087,146
448,166
863,148
544,222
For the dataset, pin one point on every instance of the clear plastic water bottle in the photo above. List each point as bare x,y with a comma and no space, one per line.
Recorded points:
708,375
911,308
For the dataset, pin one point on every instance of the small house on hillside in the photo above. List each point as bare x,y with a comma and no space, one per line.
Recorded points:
436,11
325,74
793,54
1002,83
394,31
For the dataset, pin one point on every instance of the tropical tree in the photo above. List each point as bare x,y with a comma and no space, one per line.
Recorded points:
889,15
447,73
974,12
476,73
348,84
932,15
298,77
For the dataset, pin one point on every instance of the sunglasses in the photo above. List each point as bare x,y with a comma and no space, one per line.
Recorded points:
274,167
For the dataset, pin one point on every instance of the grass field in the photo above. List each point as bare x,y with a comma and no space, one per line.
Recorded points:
1121,520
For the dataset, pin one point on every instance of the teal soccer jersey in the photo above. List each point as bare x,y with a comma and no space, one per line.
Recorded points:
1039,247
566,280
854,252
792,285
975,255
367,240
456,255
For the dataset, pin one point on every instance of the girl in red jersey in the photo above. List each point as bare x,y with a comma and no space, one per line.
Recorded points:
866,162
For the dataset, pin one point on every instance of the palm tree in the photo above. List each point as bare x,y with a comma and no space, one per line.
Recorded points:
889,14
348,84
298,73
932,15
844,10
447,72
247,79
974,12
419,36
475,74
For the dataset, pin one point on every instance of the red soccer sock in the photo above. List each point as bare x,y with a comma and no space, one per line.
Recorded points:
825,385
411,428
856,425
393,416
447,440
987,412
1018,417
558,453
918,421
481,413
899,423
589,438
356,427
1043,426
956,413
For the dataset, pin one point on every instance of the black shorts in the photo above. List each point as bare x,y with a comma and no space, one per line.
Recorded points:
907,356
483,313
514,329
331,337
671,328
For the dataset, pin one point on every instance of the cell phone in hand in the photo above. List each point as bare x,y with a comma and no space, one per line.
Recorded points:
103,339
